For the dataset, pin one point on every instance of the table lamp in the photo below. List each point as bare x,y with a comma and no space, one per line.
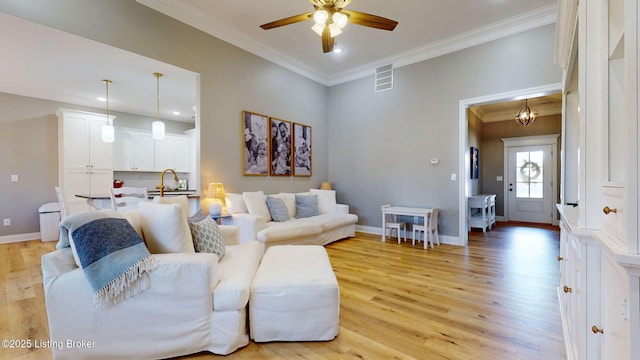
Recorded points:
325,186
216,192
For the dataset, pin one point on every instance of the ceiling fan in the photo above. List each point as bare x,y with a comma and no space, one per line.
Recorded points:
330,18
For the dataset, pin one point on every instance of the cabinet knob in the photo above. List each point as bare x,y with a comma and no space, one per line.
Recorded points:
560,258
597,330
608,210
566,289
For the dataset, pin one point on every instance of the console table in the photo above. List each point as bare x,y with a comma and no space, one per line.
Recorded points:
402,210
484,216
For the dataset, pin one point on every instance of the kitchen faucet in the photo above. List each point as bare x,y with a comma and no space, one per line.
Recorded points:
161,186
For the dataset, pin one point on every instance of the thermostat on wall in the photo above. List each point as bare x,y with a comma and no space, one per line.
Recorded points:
435,161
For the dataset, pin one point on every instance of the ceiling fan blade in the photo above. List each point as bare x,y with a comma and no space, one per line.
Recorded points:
287,21
327,41
369,20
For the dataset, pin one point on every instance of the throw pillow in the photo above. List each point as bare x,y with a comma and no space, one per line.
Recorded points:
182,200
326,200
257,204
206,235
289,200
306,206
165,228
277,209
235,204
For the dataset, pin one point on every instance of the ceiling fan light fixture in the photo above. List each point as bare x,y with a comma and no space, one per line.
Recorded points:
334,30
321,17
318,29
340,19
526,116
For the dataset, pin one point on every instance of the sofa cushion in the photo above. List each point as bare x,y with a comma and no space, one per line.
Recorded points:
235,204
165,228
332,221
276,231
256,203
326,200
306,206
236,271
277,209
206,235
182,200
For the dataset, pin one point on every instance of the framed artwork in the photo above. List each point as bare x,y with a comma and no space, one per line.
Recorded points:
255,137
301,150
280,135
474,171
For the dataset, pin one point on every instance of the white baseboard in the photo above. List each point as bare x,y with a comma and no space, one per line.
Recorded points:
444,239
19,237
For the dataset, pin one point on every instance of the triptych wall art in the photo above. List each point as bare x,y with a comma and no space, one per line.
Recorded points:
274,146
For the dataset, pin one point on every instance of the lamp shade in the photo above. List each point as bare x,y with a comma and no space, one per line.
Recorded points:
108,133
157,129
217,193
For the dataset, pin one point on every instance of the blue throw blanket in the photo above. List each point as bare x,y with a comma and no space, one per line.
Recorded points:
113,257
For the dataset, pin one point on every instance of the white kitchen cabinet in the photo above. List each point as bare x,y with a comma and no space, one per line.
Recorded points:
605,323
173,153
85,162
133,150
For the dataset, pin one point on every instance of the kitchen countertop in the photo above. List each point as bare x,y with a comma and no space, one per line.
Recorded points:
152,194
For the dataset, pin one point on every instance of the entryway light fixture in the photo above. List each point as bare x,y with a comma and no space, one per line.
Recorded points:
157,127
526,116
108,132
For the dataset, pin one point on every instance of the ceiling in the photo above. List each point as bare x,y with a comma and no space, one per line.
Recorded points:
45,63
426,29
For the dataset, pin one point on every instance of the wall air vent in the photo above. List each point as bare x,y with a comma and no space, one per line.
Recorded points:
384,78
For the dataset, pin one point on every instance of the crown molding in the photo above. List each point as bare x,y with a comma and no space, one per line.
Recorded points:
527,21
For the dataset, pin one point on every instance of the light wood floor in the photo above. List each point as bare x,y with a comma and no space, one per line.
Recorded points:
495,299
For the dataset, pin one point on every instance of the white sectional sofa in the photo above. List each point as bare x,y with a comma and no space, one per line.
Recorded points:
256,219
195,301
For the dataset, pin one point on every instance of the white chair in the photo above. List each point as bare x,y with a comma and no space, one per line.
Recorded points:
128,198
430,229
391,223
64,208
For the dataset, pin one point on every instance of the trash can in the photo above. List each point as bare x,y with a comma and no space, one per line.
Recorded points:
49,221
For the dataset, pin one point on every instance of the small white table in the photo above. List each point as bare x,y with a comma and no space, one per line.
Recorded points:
485,218
405,211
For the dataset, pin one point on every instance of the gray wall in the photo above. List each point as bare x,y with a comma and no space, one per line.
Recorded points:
231,80
374,148
380,143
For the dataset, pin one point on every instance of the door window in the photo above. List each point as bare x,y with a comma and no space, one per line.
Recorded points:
530,174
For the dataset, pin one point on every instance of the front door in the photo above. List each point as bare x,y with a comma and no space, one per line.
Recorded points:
530,184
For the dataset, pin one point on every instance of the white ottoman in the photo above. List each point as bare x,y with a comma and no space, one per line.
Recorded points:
294,296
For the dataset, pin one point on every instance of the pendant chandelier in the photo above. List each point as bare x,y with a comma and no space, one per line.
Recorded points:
157,127
526,116
108,132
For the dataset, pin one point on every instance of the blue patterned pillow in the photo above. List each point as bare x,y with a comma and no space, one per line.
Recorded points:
206,235
306,206
278,209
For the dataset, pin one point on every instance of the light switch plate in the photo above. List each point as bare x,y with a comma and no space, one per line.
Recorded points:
454,177
499,178
14,178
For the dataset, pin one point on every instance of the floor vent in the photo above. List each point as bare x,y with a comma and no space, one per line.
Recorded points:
384,78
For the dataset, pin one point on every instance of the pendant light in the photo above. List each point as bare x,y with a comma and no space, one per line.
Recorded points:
108,132
157,127
526,116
